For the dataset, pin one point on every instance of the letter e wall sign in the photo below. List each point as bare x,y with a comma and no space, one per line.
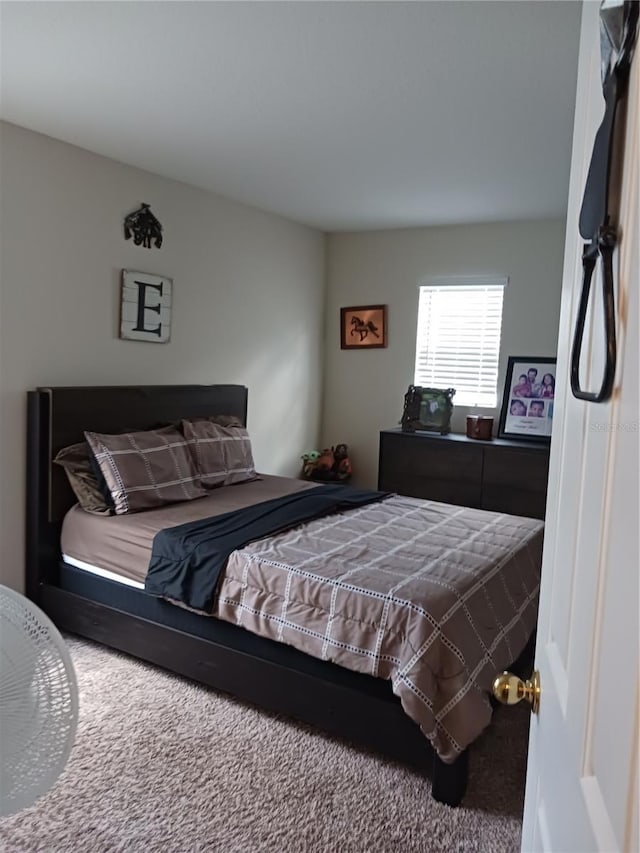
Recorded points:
145,307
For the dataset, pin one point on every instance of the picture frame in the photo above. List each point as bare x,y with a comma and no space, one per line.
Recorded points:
427,409
145,307
528,398
363,327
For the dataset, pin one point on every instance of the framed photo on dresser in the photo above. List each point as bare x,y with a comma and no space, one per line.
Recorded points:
528,398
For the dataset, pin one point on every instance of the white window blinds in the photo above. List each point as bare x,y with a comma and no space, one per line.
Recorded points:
458,339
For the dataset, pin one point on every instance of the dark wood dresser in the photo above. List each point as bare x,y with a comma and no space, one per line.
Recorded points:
500,475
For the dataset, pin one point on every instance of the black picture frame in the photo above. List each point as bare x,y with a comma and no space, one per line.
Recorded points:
427,409
528,399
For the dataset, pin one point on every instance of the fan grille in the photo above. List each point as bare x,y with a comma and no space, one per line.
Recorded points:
38,702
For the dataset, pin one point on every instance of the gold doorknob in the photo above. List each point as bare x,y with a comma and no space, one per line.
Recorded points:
509,689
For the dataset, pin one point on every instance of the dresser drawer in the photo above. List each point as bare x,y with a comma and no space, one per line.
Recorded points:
514,501
518,469
416,485
409,456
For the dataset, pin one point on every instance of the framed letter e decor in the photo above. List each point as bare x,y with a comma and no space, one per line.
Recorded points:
363,327
145,307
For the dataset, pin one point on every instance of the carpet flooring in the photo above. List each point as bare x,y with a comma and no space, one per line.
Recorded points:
162,765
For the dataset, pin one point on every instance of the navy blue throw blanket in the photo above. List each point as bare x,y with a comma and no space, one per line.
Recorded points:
187,560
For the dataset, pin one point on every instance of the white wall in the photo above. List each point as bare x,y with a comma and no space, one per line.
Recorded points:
248,302
364,389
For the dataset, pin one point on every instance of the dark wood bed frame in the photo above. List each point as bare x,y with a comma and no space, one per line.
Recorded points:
357,707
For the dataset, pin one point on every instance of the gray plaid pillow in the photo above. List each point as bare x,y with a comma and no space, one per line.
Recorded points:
146,469
222,454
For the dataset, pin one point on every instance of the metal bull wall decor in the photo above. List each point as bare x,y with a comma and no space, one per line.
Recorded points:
598,218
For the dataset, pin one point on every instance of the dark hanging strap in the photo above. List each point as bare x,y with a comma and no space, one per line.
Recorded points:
618,27
603,249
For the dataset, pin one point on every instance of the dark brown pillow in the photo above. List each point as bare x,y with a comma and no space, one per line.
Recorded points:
146,469
222,454
76,461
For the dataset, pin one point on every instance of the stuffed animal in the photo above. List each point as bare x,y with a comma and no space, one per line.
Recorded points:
342,463
309,461
326,460
331,464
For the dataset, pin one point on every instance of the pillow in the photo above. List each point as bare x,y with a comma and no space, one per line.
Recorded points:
76,461
222,454
146,469
222,420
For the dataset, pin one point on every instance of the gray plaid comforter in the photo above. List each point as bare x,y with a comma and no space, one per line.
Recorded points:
436,598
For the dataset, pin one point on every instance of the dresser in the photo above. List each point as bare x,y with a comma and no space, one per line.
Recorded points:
499,475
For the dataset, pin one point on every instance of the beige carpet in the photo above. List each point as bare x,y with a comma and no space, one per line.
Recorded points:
161,765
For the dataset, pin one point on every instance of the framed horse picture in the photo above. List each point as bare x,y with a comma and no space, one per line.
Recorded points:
363,327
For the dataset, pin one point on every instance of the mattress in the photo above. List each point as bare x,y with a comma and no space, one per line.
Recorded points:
436,598
119,546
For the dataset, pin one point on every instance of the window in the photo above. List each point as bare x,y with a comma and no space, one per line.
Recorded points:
458,340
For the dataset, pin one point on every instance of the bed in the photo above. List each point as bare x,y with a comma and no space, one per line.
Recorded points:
101,597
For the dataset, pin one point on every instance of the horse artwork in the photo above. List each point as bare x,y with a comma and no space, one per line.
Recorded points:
363,327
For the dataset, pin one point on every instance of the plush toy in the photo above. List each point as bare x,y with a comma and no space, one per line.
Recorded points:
330,465
309,461
326,460
342,464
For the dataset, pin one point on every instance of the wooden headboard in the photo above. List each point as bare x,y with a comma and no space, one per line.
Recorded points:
57,417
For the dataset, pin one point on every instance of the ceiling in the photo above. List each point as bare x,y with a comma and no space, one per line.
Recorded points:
341,115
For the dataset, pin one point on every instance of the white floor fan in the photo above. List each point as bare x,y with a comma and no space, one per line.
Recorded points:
38,702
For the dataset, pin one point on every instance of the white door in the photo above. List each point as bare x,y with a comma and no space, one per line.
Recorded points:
582,778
